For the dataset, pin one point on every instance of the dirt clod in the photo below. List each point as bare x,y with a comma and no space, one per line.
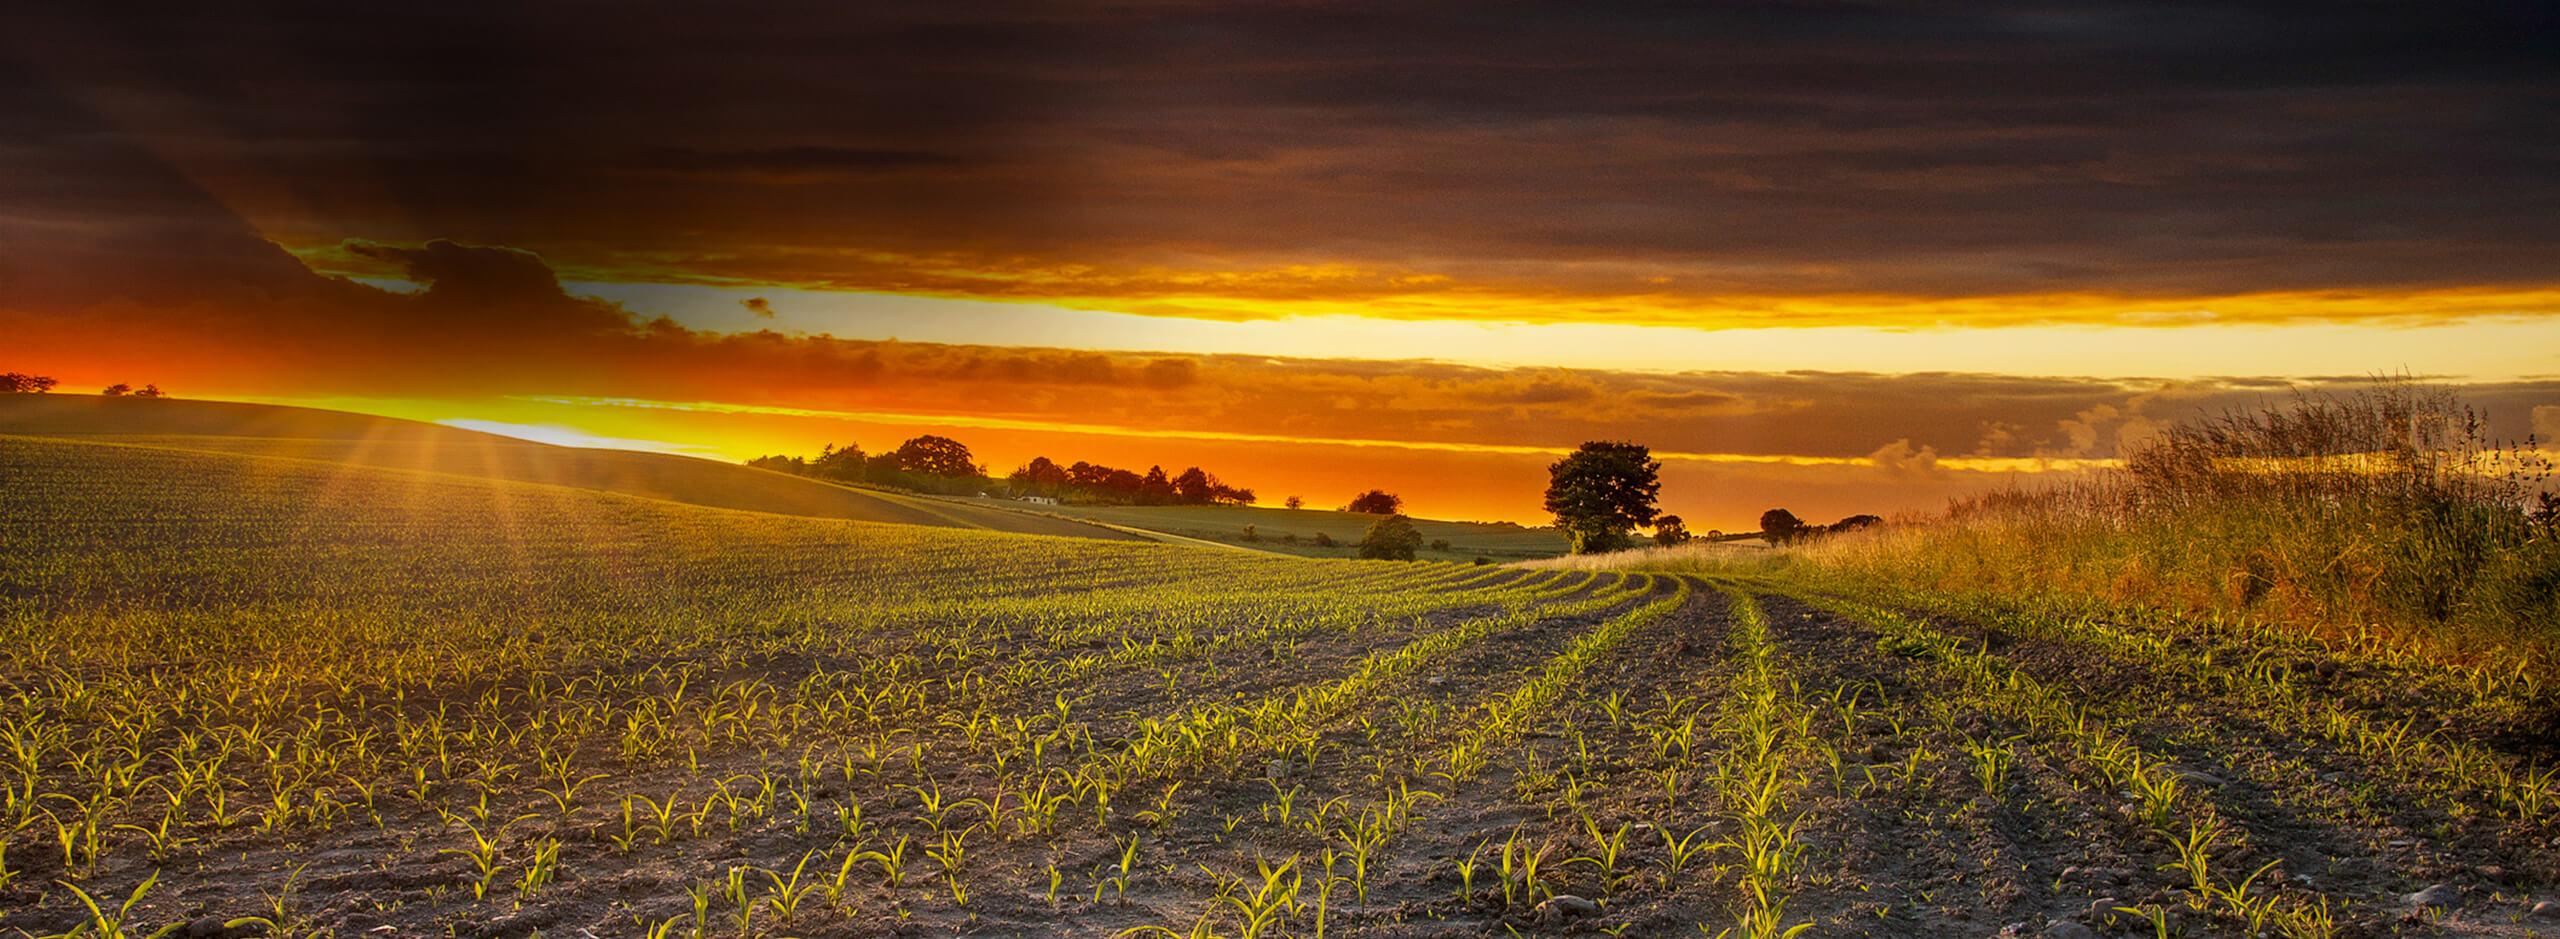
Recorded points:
1562,907
2435,895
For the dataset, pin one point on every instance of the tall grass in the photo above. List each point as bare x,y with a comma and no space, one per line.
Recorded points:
2385,511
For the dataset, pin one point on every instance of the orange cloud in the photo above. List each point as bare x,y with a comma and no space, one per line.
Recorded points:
1525,291
492,332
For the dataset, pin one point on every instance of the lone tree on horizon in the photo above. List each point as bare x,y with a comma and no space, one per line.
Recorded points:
1601,492
1376,502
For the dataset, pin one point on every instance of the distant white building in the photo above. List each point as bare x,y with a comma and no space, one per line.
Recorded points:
1040,500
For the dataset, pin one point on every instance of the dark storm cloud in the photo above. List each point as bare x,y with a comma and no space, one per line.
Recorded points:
1798,147
788,163
462,273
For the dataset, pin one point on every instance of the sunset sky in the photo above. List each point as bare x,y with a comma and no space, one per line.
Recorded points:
1838,257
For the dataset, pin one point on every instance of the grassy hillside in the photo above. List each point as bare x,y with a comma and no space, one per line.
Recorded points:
353,700
364,440
2380,518
1273,528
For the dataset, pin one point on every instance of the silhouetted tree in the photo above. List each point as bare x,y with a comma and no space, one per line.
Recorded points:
1293,503
1780,526
22,383
1041,475
1392,538
116,390
147,391
1601,492
936,456
780,464
846,465
1376,502
1669,530
1196,487
1156,488
1856,522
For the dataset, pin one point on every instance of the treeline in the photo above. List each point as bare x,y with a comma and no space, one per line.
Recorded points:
17,383
1095,483
945,466
929,463
1779,526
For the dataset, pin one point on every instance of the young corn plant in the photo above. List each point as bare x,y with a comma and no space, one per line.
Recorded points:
785,894
119,924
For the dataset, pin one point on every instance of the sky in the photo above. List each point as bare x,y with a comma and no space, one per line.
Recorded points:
1841,257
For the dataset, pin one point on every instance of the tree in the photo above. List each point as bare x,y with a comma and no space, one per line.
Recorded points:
1040,475
780,464
1856,522
936,456
1392,538
1196,487
1780,526
116,390
1376,502
1669,530
1293,503
148,391
844,465
1156,488
22,383
1602,491
1123,484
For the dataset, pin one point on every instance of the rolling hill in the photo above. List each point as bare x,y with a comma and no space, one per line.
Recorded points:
366,440
362,699
1293,531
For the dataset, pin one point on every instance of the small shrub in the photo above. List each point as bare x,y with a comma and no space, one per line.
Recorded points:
1392,538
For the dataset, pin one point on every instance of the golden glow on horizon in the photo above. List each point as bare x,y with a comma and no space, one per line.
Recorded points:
2481,348
2398,307
1958,464
1635,296
1498,483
